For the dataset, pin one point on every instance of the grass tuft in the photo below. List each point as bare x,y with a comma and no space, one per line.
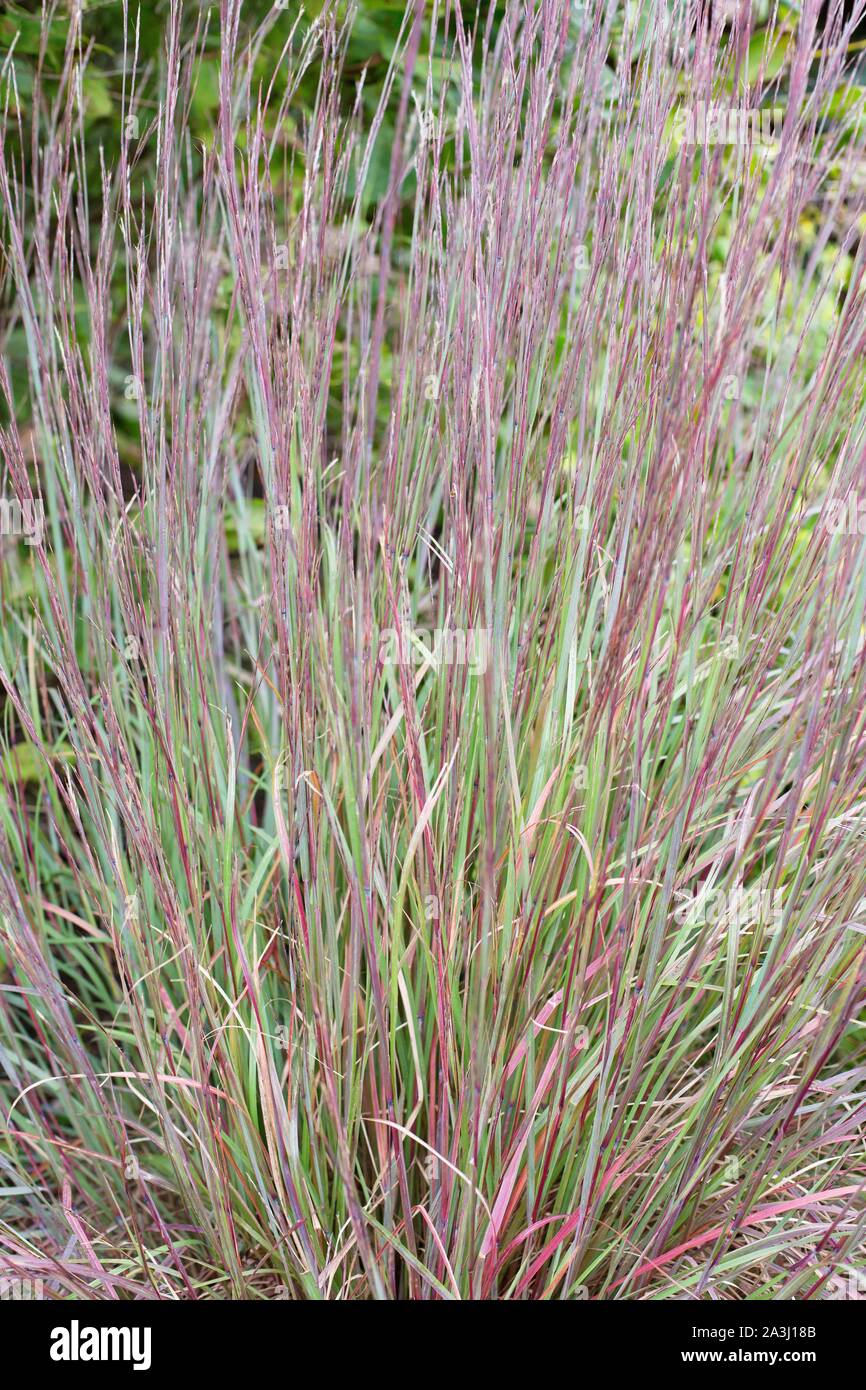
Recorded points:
432,669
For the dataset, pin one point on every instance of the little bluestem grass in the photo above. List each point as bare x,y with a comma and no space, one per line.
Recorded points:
440,628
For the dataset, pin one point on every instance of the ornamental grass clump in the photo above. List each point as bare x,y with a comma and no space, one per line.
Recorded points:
438,626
